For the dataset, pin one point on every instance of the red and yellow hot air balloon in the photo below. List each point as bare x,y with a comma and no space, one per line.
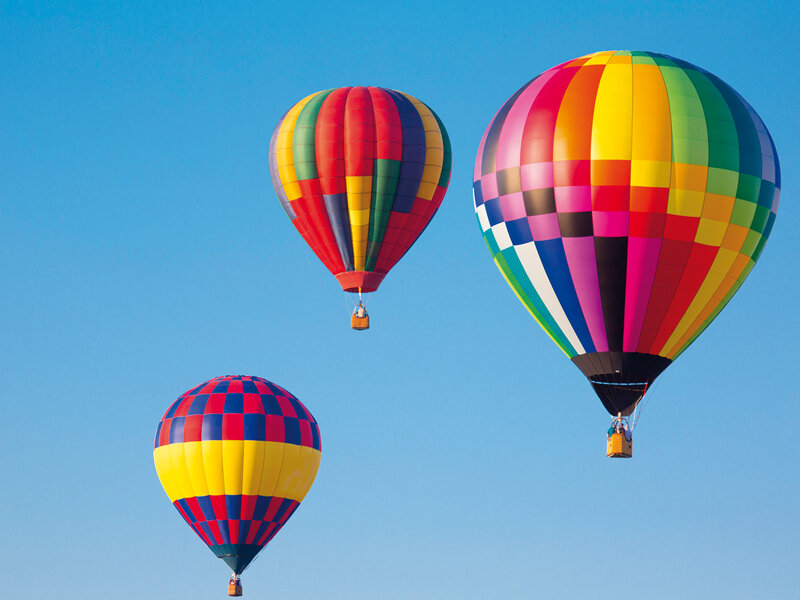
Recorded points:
625,196
236,455
360,171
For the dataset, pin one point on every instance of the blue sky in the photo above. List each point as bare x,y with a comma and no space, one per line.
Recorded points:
143,251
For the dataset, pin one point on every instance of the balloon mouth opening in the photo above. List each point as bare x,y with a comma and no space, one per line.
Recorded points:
359,281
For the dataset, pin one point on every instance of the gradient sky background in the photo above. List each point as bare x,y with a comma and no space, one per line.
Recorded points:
143,251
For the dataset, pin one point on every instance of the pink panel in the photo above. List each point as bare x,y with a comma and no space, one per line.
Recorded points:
642,263
536,176
573,198
583,268
513,206
610,223
510,140
489,186
544,227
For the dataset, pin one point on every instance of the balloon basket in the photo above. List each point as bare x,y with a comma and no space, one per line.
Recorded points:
618,446
234,588
359,323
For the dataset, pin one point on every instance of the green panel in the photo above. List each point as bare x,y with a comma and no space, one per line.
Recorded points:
689,136
642,59
766,194
749,187
750,243
767,230
723,140
303,153
508,262
447,159
722,182
760,219
743,212
488,236
384,186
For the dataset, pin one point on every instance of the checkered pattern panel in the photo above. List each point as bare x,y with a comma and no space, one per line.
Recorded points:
238,407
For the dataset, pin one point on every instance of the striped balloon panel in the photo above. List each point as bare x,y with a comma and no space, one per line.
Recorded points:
236,455
360,172
625,196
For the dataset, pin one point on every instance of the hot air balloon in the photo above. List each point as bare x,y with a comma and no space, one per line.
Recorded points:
625,197
236,456
360,171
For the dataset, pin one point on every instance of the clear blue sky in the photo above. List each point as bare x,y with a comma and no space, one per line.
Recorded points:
143,250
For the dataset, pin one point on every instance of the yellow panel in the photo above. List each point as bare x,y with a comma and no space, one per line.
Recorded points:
311,472
613,114
621,59
718,207
650,173
283,150
735,237
297,462
359,217
434,142
426,190
183,485
161,457
710,232
271,467
685,203
253,466
652,124
212,463
193,454
600,58
690,177
232,465
358,184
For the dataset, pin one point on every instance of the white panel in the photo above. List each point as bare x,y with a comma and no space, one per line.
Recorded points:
529,257
482,218
501,236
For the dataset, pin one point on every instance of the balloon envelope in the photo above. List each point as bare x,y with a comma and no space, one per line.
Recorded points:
360,171
625,196
236,455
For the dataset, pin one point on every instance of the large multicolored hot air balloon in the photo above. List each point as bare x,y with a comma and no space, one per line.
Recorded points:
236,456
625,197
360,171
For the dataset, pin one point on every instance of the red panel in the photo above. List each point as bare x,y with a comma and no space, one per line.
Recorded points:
272,509
359,133
248,506
253,404
388,128
251,535
365,281
329,142
275,429
215,532
233,529
269,532
317,215
235,386
194,506
199,531
649,199
305,434
215,404
163,436
183,407
697,267
537,136
681,228
667,278
233,426
220,507
610,197
193,428
646,225
572,172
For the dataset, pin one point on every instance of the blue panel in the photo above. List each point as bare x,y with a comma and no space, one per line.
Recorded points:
285,505
262,504
493,211
413,157
478,190
198,406
207,508
233,506
315,442
255,427
212,427
248,387
339,216
271,406
555,265
186,510
176,430
171,410
292,429
519,231
224,531
766,194
298,409
234,403
207,530
222,386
